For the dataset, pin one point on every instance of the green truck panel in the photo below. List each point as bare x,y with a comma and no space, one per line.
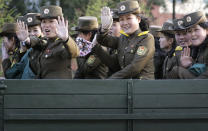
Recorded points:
104,105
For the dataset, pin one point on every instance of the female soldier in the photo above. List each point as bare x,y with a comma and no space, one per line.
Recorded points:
57,48
21,70
109,58
10,47
194,62
167,44
33,23
135,48
89,65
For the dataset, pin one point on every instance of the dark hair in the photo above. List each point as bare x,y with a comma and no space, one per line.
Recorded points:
204,25
17,42
168,35
86,32
144,23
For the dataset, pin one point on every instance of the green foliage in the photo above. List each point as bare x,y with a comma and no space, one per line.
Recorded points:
94,7
6,14
17,5
113,3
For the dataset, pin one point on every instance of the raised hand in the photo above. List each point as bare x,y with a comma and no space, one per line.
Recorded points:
186,60
106,19
62,28
22,31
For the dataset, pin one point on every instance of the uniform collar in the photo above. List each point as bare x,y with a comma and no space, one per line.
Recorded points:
136,33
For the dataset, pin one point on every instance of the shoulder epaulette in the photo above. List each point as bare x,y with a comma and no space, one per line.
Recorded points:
16,49
143,33
140,34
178,48
123,33
56,39
174,54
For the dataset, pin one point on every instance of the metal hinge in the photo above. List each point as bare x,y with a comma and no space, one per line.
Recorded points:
130,109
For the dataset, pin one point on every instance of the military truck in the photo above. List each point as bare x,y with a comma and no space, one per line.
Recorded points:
104,105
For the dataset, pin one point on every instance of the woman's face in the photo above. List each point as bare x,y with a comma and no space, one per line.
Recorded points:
48,27
85,36
183,38
35,31
165,43
9,43
129,23
198,35
115,29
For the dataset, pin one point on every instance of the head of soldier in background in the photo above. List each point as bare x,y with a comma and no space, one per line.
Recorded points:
49,20
129,16
154,30
197,25
33,23
115,28
182,35
10,40
167,40
87,27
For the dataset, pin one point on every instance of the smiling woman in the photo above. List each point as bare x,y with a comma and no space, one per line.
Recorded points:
54,51
135,46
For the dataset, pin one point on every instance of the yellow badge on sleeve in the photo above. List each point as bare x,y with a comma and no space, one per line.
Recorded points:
141,50
91,60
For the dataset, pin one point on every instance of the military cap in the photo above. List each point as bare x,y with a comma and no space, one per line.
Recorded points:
86,23
8,28
154,30
127,7
194,19
50,12
179,24
20,18
31,19
114,13
167,27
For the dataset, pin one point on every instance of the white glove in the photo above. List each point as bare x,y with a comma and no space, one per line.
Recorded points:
4,52
94,41
22,31
106,19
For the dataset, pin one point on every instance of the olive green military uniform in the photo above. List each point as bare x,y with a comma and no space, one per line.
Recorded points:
135,54
90,65
14,56
172,60
198,54
159,55
135,51
108,58
168,31
202,58
51,58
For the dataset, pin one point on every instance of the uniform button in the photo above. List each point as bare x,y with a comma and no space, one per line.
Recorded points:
46,56
132,51
167,68
126,48
32,57
122,57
